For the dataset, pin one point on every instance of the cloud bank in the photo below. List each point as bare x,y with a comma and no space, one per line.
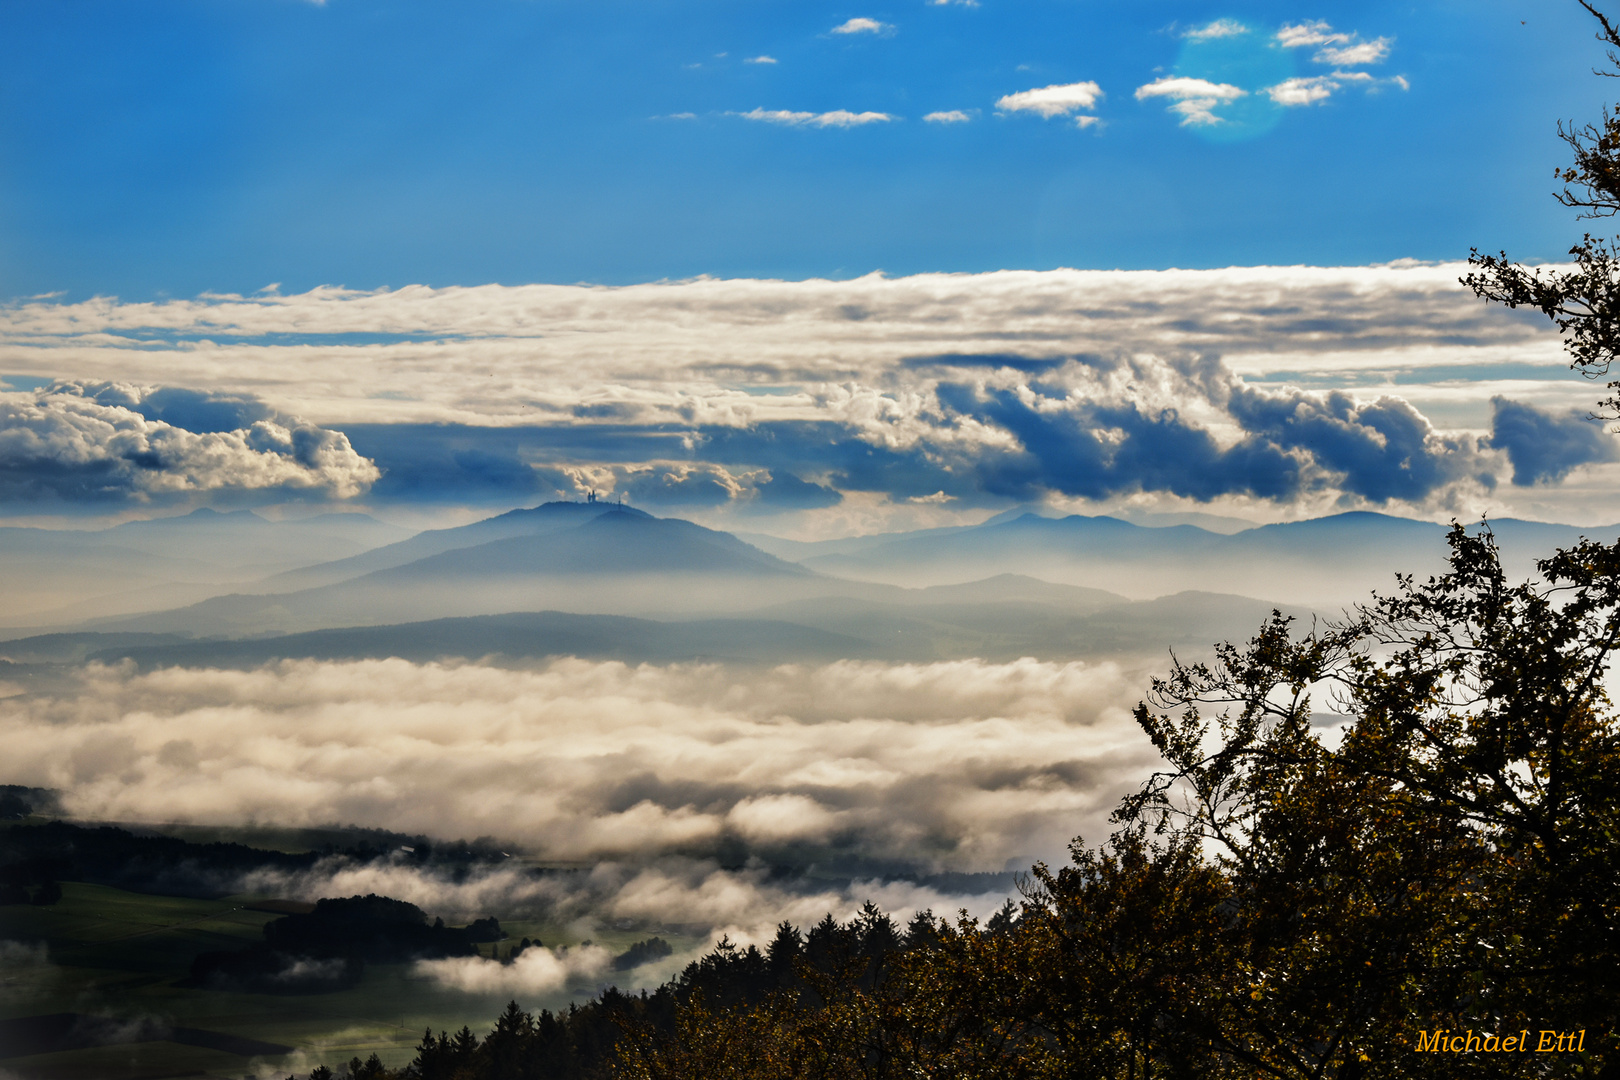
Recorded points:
954,766
757,395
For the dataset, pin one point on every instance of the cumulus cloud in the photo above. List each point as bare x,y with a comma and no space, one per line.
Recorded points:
1313,32
958,766
1379,450
1544,446
835,118
1310,90
1302,91
1194,100
117,442
1363,52
862,25
1056,100
760,59
1220,28
1338,48
951,116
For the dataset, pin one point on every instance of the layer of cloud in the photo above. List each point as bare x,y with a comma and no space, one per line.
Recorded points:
949,116
725,393
1057,100
1194,100
82,442
958,766
863,25
835,118
761,59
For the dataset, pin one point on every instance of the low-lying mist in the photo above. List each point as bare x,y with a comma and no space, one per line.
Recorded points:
958,766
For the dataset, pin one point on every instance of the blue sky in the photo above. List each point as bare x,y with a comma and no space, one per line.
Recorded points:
171,148
858,215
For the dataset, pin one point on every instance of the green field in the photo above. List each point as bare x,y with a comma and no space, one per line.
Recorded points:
125,956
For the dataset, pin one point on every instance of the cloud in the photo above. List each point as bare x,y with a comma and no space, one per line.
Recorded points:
1317,32
835,118
1339,49
1050,101
1544,446
861,25
1308,91
959,3
1303,91
667,895
1095,451
1379,450
1194,100
533,972
1365,52
116,442
952,116
760,59
519,394
1220,28
958,766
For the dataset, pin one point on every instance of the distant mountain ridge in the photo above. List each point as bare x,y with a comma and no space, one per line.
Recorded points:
601,559
1323,561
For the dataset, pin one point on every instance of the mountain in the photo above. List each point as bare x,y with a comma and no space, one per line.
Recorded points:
63,576
607,561
1324,562
904,627
535,521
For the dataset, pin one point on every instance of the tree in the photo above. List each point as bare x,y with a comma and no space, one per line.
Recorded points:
1450,864
1584,302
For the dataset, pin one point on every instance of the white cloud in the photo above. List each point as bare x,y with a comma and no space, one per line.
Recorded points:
1315,32
959,3
835,118
1194,100
1365,52
534,971
700,352
760,59
678,116
952,116
1301,91
1220,28
1341,49
91,442
1309,90
960,765
1050,101
860,25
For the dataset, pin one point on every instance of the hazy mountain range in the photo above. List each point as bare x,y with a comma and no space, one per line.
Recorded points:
599,580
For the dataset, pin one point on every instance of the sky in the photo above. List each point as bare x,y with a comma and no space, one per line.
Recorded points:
794,266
